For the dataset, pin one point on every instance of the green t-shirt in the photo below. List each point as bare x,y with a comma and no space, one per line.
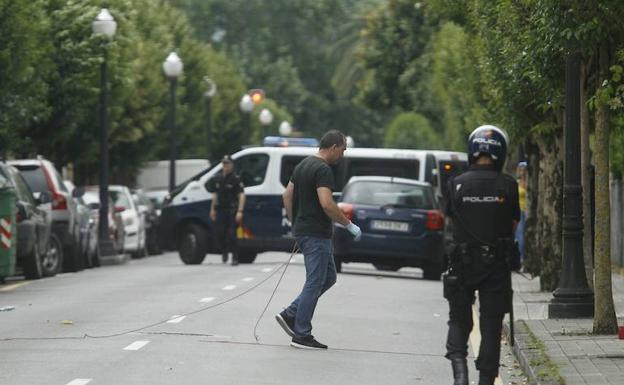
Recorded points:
309,217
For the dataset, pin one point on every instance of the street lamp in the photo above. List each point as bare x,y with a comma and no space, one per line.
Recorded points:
246,106
211,90
105,26
266,118
173,68
285,129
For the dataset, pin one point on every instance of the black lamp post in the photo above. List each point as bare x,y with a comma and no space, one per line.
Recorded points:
173,68
104,25
211,90
572,298
246,106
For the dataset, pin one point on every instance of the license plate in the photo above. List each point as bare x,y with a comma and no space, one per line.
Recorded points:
390,225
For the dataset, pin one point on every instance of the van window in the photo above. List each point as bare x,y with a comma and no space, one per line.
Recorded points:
289,163
252,168
402,168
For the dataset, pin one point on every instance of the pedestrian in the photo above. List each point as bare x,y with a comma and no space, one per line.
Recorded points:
483,206
226,210
311,209
521,179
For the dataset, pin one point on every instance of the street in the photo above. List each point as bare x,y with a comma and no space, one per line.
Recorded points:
132,324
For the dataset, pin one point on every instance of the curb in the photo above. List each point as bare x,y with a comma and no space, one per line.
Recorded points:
118,259
530,357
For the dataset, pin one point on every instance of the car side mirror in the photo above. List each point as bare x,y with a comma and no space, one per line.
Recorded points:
43,198
119,209
78,191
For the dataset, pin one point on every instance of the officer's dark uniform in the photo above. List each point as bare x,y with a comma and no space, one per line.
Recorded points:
227,187
483,204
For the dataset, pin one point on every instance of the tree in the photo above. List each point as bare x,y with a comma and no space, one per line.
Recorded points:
412,130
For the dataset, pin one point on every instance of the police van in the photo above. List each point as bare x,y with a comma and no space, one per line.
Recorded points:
185,223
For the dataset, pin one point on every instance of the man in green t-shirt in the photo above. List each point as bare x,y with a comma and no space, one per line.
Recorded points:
311,209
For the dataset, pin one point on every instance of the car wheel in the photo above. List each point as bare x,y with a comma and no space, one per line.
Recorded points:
247,257
338,263
432,272
386,266
32,264
50,261
193,244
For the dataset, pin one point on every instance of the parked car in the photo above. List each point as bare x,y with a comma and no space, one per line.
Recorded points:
88,227
41,176
401,223
147,208
157,197
91,197
35,255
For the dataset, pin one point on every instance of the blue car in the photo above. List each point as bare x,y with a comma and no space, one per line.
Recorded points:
401,223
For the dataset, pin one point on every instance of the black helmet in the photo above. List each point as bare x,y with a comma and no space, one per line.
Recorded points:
488,140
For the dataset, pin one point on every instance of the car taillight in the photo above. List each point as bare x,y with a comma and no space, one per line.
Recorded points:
347,209
59,202
435,220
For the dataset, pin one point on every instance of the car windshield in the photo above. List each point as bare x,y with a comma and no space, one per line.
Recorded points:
379,193
34,177
120,199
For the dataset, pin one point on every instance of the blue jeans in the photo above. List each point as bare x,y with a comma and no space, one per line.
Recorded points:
320,276
520,235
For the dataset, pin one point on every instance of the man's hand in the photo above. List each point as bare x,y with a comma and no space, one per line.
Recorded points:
354,230
213,214
239,217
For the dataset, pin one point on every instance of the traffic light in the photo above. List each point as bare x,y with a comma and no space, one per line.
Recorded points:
257,95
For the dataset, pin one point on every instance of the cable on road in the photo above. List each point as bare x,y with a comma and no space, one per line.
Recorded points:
86,335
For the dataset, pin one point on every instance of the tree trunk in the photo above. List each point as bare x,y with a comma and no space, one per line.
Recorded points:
585,182
543,243
605,321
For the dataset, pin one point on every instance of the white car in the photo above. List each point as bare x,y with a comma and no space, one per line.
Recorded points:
133,220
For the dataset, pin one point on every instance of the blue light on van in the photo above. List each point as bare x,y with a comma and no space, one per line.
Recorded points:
280,141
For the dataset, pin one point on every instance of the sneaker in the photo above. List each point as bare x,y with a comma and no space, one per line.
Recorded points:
307,343
287,323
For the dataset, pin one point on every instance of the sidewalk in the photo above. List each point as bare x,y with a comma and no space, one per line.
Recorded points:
563,351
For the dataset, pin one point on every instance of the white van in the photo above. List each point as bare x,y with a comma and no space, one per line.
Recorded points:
185,224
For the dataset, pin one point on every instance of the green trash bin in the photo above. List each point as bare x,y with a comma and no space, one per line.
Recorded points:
8,230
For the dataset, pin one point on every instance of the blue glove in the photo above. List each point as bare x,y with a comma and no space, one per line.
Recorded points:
354,230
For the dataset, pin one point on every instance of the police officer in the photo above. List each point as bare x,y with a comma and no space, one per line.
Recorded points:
226,211
483,207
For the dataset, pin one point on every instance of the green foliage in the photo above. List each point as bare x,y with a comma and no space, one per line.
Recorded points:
412,130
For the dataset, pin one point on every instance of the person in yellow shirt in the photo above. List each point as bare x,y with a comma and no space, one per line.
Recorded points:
521,175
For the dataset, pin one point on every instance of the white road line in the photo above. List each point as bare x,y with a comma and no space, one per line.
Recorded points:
475,339
136,345
207,299
176,319
229,287
79,381
267,269
248,279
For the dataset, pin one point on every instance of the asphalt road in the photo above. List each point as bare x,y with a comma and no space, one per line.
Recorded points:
157,321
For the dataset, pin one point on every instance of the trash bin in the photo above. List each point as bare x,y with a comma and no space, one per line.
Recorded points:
8,233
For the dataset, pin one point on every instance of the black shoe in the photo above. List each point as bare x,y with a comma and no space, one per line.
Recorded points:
307,343
234,262
224,257
460,371
287,323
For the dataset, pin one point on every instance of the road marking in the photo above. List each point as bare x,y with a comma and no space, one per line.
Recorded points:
229,287
267,269
79,381
136,345
176,319
207,299
475,339
248,279
14,286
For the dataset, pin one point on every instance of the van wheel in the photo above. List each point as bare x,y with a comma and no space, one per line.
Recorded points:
32,264
432,272
193,244
338,263
247,257
387,266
